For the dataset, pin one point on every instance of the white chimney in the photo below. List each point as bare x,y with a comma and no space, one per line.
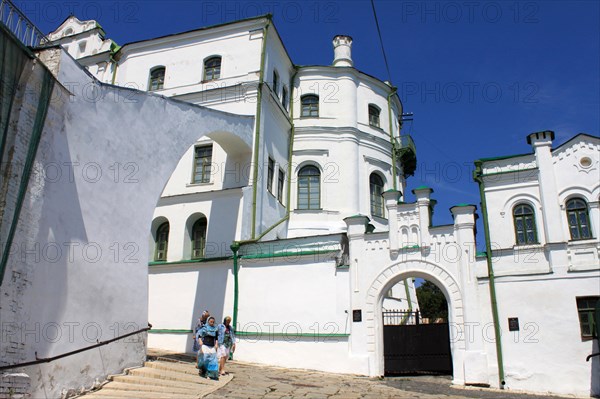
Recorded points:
342,51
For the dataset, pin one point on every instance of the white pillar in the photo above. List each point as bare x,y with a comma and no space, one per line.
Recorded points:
391,204
552,215
423,199
475,359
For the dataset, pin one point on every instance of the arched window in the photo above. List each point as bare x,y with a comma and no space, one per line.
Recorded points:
309,188
310,106
376,188
374,115
162,242
212,68
524,220
199,238
157,79
578,218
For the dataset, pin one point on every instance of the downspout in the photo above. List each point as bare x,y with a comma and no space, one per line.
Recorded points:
292,133
114,72
392,141
257,127
235,246
289,168
477,176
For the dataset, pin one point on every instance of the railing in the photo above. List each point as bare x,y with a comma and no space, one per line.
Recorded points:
401,317
406,142
87,348
20,25
406,151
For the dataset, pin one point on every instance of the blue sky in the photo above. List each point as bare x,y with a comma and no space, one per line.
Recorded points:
478,75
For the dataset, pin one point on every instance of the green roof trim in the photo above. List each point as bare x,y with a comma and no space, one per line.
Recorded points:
188,261
169,331
286,254
481,254
509,171
358,215
503,157
411,247
463,204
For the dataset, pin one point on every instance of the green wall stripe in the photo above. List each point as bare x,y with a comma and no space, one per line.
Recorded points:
288,254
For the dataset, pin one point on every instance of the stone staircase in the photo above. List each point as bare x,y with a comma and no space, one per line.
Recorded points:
158,379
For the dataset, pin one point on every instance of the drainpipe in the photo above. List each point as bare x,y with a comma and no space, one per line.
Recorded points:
477,176
292,133
235,246
257,127
392,141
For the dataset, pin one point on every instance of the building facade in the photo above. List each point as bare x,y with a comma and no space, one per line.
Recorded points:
301,230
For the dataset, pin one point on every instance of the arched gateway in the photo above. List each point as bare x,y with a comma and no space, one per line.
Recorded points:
411,269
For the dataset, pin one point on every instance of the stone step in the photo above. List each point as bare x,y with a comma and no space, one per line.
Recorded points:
159,380
186,368
150,387
164,374
108,393
133,379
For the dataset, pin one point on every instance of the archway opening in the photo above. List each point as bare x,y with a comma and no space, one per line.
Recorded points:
416,331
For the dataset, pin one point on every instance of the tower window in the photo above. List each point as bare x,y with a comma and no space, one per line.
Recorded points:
376,191
309,188
310,106
374,112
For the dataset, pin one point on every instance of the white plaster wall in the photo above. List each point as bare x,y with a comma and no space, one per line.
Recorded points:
317,288
183,57
323,354
179,293
104,288
547,355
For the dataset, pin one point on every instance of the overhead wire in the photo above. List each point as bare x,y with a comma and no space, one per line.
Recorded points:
387,67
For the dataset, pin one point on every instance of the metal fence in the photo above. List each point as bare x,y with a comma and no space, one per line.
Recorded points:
20,25
401,318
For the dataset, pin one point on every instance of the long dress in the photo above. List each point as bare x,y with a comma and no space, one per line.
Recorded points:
207,355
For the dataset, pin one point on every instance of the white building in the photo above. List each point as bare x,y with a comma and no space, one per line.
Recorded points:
310,271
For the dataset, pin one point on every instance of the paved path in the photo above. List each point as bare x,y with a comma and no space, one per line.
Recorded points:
261,382
252,381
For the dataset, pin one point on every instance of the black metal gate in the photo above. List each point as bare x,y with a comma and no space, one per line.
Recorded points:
413,347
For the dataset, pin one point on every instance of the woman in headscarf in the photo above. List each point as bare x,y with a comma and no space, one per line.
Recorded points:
227,340
208,337
199,324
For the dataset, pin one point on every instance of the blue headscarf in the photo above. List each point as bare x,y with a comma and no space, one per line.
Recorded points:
207,329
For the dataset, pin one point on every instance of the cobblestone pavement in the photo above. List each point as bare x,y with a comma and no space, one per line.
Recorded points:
261,382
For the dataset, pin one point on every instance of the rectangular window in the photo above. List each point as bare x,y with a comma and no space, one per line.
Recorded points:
270,175
276,83
586,307
284,98
202,164
280,181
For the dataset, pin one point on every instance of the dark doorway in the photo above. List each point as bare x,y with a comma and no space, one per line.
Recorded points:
413,347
